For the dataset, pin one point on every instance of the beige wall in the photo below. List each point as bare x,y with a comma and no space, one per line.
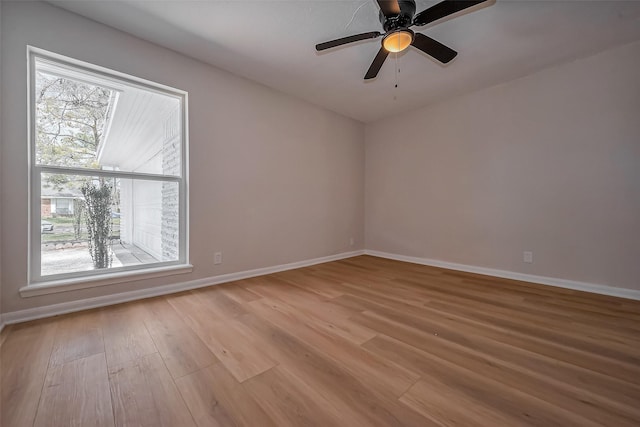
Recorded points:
548,163
1,144
273,179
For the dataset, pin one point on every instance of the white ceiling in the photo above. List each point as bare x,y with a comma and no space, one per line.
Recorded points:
272,42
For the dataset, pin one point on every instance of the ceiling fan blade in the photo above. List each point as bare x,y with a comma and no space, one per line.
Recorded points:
376,64
345,40
389,7
445,8
433,48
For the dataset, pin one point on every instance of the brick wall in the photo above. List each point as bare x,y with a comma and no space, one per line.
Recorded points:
171,152
45,208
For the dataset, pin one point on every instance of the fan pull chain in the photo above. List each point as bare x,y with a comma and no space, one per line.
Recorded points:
397,72
397,69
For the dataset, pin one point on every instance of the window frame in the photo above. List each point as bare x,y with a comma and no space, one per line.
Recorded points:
38,284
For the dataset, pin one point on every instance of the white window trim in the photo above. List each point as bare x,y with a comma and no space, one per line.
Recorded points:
56,286
38,285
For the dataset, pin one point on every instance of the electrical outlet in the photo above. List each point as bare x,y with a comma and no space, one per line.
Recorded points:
352,241
527,256
217,258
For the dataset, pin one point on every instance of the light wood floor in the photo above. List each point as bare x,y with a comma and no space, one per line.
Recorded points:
359,342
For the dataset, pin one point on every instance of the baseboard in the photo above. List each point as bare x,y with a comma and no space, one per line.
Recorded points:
549,281
85,304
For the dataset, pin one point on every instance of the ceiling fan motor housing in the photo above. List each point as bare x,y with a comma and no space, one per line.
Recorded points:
401,20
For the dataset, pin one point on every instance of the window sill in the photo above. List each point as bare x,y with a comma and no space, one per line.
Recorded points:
65,285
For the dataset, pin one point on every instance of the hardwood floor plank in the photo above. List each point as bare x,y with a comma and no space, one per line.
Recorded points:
77,336
306,279
181,349
551,335
485,401
219,302
24,357
273,286
379,373
358,403
216,398
587,306
438,345
126,337
239,348
494,339
536,314
542,320
144,394
326,316
191,309
448,407
235,291
609,318
289,401
475,368
552,325
570,350
76,394
235,345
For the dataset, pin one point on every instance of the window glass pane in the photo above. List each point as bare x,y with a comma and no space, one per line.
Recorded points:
91,223
70,121
86,121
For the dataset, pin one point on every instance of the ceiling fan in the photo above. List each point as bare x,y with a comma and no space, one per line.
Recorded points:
396,17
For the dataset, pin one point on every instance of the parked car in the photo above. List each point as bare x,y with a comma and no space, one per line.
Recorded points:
115,214
45,226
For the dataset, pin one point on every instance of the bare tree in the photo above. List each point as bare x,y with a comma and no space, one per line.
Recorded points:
71,117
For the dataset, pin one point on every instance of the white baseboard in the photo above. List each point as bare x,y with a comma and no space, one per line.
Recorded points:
549,281
85,304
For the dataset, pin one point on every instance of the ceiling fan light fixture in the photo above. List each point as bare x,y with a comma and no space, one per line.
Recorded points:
398,41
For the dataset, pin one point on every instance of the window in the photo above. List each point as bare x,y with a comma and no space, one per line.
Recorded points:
107,173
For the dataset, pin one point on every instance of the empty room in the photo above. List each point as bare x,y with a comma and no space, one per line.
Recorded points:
319,213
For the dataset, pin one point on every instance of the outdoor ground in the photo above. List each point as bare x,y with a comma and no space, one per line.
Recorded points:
63,230
62,253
